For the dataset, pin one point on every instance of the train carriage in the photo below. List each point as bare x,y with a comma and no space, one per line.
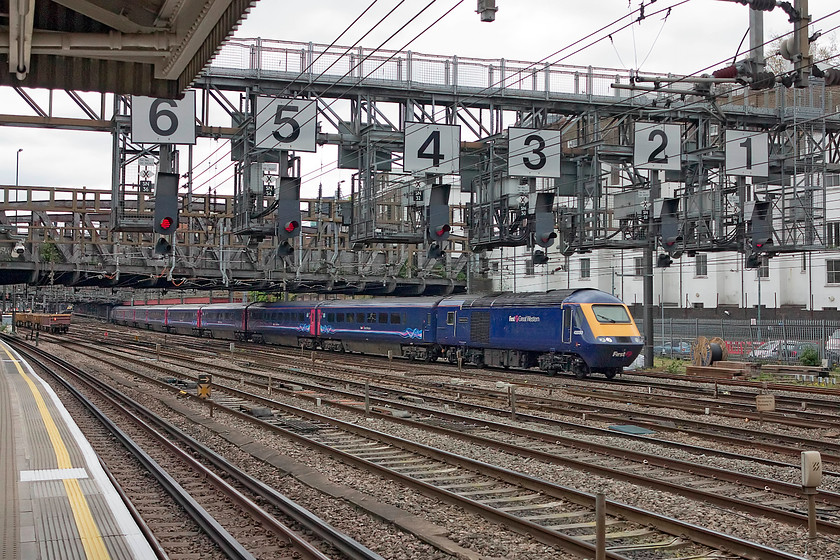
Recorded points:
47,322
184,319
226,321
404,327
287,324
154,318
578,330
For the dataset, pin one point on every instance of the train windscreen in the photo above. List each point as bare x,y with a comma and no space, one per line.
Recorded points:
611,313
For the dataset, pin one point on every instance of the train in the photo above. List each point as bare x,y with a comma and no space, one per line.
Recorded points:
49,322
581,330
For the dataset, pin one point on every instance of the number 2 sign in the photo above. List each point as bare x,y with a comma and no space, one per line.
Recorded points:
657,146
433,148
163,121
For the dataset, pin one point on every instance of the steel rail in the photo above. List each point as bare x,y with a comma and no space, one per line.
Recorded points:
228,544
698,534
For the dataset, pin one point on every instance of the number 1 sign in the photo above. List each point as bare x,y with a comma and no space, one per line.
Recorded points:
657,146
433,148
747,153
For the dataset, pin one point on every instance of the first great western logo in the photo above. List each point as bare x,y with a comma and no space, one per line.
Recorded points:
523,319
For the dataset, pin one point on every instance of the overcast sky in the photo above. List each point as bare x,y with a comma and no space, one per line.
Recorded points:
696,35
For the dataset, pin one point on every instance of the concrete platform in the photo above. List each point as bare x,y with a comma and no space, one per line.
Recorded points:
57,501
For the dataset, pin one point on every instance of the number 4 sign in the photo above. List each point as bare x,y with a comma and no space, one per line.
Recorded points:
657,146
163,121
747,153
433,148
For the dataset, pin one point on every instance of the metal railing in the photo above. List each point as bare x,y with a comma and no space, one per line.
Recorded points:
744,338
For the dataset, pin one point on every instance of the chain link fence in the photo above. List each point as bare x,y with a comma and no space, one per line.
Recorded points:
782,341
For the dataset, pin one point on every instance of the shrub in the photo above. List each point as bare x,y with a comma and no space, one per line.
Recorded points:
809,357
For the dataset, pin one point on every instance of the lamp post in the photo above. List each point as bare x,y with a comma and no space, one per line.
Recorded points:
17,167
17,182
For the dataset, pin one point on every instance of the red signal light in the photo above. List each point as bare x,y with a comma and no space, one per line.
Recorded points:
166,224
442,230
291,226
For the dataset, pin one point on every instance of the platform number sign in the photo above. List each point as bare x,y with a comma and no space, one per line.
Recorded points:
534,152
747,153
432,148
286,124
657,146
163,121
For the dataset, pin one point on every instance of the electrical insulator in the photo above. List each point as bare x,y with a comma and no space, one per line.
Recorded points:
728,72
760,5
832,77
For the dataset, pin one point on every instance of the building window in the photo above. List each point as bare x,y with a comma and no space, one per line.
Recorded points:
764,267
585,270
529,267
832,271
639,267
701,264
804,267
832,234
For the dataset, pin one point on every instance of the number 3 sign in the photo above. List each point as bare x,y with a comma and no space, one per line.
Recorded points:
657,146
433,148
163,121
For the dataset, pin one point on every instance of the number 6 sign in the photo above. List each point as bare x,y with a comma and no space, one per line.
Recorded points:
286,124
163,121
657,146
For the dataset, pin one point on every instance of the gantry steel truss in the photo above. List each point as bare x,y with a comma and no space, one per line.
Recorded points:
370,239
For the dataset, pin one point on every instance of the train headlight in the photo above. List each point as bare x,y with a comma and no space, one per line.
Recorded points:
605,339
637,339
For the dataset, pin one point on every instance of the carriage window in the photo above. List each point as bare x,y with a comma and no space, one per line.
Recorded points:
371,318
360,317
330,317
301,317
450,317
579,319
395,319
383,318
611,313
339,317
567,318
351,317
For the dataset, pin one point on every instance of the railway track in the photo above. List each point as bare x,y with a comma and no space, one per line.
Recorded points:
399,459
278,537
462,395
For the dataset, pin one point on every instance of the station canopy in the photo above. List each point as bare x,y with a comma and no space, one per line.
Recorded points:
140,47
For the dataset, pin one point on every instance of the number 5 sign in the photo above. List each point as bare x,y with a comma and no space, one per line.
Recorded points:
747,153
163,121
286,124
433,148
657,146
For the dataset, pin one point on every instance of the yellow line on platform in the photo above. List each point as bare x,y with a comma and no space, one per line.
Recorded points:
88,531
